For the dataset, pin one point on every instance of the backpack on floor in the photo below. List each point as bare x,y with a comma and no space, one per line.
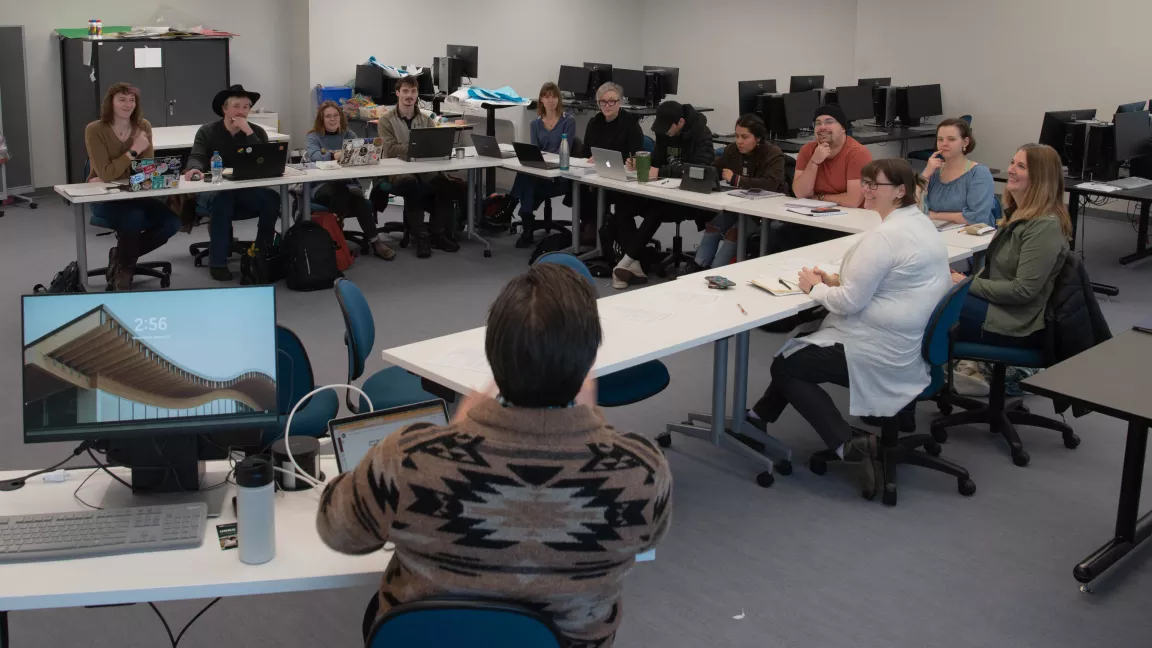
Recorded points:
261,267
310,254
65,281
331,224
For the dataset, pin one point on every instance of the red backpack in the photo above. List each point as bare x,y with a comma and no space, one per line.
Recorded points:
331,224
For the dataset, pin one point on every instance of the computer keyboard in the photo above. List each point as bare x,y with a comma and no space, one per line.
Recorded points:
83,534
1131,183
923,129
800,140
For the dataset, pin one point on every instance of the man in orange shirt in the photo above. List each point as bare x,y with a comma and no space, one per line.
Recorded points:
829,168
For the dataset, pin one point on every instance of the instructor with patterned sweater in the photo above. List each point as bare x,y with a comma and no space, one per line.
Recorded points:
527,496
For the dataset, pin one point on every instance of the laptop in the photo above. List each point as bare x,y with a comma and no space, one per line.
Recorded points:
359,152
700,178
153,173
354,436
430,144
610,164
487,146
530,155
258,161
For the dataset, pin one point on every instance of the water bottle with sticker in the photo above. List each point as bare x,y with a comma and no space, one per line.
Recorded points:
217,168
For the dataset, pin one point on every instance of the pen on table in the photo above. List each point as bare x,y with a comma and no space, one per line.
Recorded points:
785,284
741,309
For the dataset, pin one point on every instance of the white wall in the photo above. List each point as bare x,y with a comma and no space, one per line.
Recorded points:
715,44
1006,63
515,49
258,54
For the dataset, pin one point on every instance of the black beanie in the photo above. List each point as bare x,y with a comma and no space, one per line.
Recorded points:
835,112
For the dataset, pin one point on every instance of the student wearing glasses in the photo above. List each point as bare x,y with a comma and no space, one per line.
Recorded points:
959,190
618,130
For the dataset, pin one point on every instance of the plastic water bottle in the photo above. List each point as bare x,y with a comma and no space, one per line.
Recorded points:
217,168
564,153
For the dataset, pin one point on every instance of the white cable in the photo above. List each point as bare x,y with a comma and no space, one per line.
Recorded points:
288,428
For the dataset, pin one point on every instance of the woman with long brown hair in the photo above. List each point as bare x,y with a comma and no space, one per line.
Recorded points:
114,141
1005,305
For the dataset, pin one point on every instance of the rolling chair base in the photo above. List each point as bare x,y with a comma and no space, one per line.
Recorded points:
161,270
199,251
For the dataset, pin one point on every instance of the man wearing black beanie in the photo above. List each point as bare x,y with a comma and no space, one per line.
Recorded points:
829,168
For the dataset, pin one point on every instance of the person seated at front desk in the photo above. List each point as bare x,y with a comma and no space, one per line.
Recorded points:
526,523
433,192
829,168
120,136
230,133
959,190
682,137
326,142
614,129
870,342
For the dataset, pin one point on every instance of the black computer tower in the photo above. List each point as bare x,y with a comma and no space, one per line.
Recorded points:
772,112
1091,151
448,72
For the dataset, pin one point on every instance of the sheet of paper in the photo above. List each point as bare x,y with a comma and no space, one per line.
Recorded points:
92,189
665,183
647,556
631,314
699,300
469,359
86,53
148,57
1097,186
809,203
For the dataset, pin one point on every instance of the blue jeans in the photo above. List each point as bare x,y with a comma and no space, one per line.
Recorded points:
531,192
715,249
972,315
141,225
223,207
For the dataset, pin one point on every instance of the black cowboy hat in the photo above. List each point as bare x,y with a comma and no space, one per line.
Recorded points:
232,91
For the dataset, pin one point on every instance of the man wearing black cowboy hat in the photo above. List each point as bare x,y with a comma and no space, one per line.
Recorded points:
229,134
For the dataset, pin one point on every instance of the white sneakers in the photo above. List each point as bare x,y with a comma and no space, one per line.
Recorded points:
628,271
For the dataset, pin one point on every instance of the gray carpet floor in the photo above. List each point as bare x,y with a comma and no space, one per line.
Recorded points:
807,562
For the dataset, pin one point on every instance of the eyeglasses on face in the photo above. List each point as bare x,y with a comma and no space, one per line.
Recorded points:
608,102
871,185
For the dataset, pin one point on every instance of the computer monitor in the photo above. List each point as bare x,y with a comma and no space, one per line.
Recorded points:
370,83
632,82
806,83
1054,129
923,101
799,109
147,372
748,92
875,82
855,101
470,54
1133,133
574,79
669,77
1130,107
599,74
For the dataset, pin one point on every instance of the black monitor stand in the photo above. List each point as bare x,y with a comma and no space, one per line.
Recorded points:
167,469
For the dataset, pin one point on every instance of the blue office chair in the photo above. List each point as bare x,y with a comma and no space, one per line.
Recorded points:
294,379
895,450
627,386
649,144
161,270
450,622
389,387
924,154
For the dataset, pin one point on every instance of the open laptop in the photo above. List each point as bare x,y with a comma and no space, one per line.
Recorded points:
487,146
354,436
700,178
358,152
530,155
610,164
153,173
258,161
430,143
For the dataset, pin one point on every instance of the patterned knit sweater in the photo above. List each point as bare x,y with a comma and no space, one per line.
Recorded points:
544,507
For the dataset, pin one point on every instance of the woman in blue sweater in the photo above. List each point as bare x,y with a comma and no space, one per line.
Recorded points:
959,190
326,142
529,191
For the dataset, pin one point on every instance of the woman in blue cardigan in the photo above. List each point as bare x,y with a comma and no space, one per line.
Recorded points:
530,191
959,190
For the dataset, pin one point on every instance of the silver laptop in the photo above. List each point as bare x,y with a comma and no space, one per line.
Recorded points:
487,146
354,436
358,152
610,164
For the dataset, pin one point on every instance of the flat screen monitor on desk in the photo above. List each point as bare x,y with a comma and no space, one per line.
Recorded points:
599,74
669,77
575,80
470,54
370,83
799,109
855,101
143,375
922,101
875,82
1054,129
806,83
633,82
1133,135
749,91
1130,107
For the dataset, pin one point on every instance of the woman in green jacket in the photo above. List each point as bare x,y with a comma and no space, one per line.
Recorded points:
1005,306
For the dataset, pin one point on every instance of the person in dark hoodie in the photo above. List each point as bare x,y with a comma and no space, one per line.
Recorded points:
751,162
617,130
682,138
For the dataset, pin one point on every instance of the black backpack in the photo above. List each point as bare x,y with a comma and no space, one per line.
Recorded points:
65,281
259,267
310,254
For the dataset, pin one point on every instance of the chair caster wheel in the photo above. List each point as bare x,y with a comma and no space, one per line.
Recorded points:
783,467
664,440
818,466
164,283
1071,441
889,497
33,205
1021,458
199,263
940,435
932,449
945,410
967,487
1023,408
487,253
765,479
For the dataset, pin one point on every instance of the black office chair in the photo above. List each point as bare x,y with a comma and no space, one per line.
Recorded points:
161,270
199,251
675,256
549,224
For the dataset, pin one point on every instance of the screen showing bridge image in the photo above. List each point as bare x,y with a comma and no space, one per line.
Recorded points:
102,363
